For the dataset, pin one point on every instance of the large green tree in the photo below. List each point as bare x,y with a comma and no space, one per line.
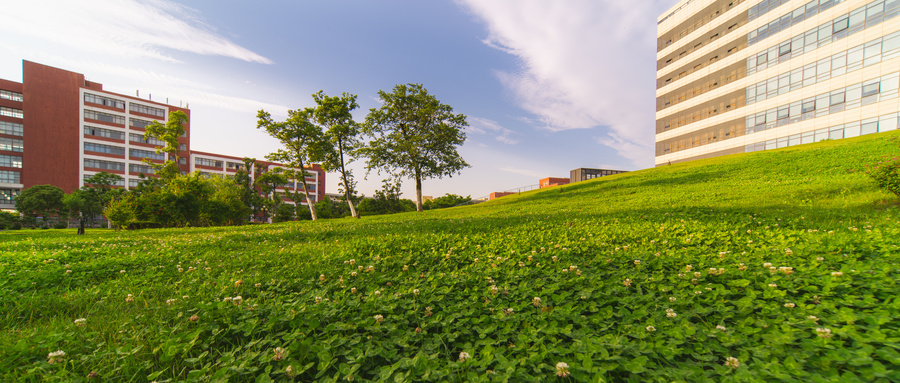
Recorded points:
92,198
413,135
41,201
168,133
302,141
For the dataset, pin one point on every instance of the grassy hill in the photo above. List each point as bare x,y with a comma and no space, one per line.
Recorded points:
768,266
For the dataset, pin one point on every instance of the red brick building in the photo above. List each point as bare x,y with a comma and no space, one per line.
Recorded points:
58,128
552,181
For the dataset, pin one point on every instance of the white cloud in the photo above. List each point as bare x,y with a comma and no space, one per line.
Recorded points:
583,64
485,126
122,28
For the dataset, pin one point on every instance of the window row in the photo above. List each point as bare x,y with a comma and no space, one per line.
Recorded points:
11,128
101,148
138,108
10,95
764,7
853,129
140,169
234,165
137,153
106,101
105,117
851,97
140,138
10,177
10,161
11,112
208,162
848,61
11,144
842,26
138,123
791,18
686,27
106,133
8,196
120,182
105,165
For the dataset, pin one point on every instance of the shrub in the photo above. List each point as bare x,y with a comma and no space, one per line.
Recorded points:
61,224
15,226
886,175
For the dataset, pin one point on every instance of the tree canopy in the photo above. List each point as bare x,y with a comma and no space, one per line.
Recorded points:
340,137
41,201
301,139
413,135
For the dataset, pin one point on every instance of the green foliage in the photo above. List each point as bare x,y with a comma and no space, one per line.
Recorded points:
413,135
340,137
767,266
41,201
447,200
169,133
386,200
302,141
284,212
886,173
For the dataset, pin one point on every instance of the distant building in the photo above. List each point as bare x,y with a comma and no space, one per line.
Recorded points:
57,128
584,174
496,195
552,181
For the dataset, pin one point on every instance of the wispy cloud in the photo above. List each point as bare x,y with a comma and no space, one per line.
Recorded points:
524,172
485,126
122,28
583,64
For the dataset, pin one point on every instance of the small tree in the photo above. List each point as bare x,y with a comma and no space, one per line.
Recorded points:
413,135
341,136
41,201
447,200
169,133
267,182
301,139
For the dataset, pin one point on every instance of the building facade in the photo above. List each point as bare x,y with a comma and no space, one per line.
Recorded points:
737,76
584,174
57,128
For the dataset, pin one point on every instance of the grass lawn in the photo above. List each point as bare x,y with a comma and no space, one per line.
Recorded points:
769,266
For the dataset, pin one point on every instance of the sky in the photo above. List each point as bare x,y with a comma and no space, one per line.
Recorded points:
547,86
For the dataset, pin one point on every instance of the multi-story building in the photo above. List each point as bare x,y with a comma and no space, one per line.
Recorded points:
228,166
584,174
737,76
58,128
552,181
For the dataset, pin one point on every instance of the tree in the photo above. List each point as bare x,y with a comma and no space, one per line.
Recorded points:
301,139
387,200
447,200
168,134
41,201
341,135
413,135
100,191
267,182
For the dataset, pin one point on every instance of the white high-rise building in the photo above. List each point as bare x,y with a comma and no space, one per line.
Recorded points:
737,76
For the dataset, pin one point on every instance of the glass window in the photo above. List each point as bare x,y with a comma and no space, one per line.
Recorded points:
137,153
841,24
836,98
10,161
8,196
809,106
140,138
10,144
784,49
140,169
138,123
107,133
145,109
105,165
106,101
870,89
10,95
107,149
872,53
10,177
11,112
11,128
105,117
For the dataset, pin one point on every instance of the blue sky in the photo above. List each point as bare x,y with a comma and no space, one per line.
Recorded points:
548,86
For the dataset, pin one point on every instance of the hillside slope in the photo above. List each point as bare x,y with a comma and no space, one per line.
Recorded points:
768,266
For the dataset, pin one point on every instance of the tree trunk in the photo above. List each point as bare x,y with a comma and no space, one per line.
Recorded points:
309,203
353,212
81,226
418,191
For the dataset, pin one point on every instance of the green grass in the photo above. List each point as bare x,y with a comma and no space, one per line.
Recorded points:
607,258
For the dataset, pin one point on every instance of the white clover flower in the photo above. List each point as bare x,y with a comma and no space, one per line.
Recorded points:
823,332
573,268
697,274
789,305
129,298
80,322
554,258
405,267
651,328
170,301
352,273
56,356
772,285
627,282
688,268
464,356
377,293
415,291
732,362
352,262
494,290
767,264
121,271
562,369
813,318
671,313
721,328
672,299
379,318
280,353
742,267
237,300
820,259
578,272
837,274
318,300
536,302
370,269
321,277
289,371
637,262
